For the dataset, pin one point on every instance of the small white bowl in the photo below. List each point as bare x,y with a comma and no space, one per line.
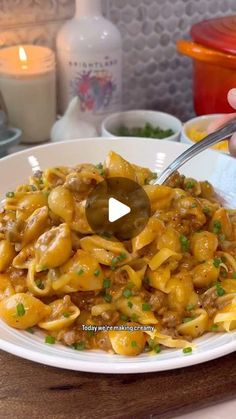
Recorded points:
200,124
138,118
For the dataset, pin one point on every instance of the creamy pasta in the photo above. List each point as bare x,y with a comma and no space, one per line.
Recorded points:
177,276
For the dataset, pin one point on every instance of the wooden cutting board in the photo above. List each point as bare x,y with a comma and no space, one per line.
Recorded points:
29,390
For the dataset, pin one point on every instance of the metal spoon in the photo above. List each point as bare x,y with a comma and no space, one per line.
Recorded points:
224,132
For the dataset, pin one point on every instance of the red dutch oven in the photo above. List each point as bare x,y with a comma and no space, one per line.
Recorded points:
213,50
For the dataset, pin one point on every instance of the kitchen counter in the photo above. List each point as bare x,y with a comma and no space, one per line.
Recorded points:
30,390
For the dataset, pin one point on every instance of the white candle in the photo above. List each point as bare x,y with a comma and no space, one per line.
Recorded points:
28,86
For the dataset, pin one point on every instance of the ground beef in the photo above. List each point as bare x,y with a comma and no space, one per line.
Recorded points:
157,300
176,180
111,317
209,298
120,278
170,319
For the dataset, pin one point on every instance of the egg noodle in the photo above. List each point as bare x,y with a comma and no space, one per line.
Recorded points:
170,284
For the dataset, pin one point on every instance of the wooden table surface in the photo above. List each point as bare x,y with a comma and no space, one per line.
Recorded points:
29,390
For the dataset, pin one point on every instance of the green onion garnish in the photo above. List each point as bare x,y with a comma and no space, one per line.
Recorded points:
184,243
80,272
217,262
106,283
124,317
10,194
50,340
214,327
219,290
190,184
108,298
190,307
97,272
79,346
217,227
20,309
187,319
187,350
146,307
127,293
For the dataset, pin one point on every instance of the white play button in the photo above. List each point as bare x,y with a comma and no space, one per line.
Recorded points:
117,210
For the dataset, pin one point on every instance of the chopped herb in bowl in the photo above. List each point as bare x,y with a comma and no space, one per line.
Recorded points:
148,131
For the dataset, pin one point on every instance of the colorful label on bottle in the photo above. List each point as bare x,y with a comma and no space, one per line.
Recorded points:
95,79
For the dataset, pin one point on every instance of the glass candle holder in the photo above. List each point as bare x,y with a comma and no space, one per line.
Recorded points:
28,86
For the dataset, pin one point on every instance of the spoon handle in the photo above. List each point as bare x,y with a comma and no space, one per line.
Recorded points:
221,134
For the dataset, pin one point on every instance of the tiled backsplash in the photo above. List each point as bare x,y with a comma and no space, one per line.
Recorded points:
155,76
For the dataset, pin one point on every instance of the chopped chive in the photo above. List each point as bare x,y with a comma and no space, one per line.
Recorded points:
90,333
190,307
108,298
219,290
184,243
224,274
187,319
130,304
127,293
10,194
20,309
80,272
39,284
217,262
214,327
146,307
30,330
124,317
117,259
100,169
134,344
157,349
134,317
50,340
206,210
217,227
106,283
33,188
151,344
190,184
222,237
97,272
66,314
79,346
187,350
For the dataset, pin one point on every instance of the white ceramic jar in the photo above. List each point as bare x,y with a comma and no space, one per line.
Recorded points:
89,51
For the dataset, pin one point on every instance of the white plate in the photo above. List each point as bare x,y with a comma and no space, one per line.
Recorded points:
218,168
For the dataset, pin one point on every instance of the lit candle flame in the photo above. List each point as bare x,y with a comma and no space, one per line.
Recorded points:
23,58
